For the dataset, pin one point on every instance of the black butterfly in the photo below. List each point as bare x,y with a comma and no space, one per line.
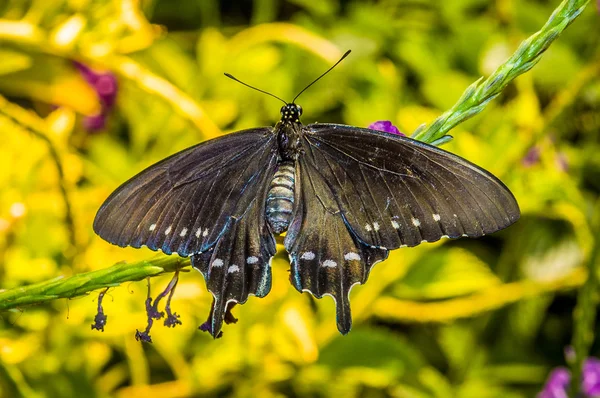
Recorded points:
345,195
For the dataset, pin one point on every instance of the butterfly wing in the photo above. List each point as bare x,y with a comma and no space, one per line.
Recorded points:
207,201
325,257
239,263
394,191
362,193
184,203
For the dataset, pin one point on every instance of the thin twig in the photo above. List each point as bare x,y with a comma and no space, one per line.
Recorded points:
584,315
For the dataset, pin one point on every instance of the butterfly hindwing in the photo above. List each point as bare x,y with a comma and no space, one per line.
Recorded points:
325,258
184,203
239,263
394,191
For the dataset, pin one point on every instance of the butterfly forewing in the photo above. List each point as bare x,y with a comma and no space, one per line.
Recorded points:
184,203
394,191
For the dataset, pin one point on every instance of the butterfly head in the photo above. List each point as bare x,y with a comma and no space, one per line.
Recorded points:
290,113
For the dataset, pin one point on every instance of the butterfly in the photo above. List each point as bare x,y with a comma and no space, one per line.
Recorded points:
344,195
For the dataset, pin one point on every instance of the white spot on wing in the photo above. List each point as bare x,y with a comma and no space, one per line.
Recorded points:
416,222
168,230
233,268
198,232
205,233
217,263
252,260
329,264
183,232
368,228
395,224
351,256
307,256
152,227
436,217
376,226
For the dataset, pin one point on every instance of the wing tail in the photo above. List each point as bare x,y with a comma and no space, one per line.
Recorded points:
326,259
238,265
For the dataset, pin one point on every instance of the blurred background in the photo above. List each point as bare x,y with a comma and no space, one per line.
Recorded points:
112,86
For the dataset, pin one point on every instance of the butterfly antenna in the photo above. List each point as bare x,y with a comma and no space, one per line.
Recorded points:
326,72
252,87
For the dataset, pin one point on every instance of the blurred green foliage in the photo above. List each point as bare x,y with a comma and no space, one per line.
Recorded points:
466,318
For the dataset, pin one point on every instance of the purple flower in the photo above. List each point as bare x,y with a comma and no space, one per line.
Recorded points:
558,381
557,384
591,377
532,157
534,154
387,126
105,85
88,74
94,123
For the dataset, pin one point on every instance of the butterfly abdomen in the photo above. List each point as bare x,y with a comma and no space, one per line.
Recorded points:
280,198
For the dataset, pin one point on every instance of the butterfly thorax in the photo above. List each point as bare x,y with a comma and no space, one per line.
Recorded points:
288,131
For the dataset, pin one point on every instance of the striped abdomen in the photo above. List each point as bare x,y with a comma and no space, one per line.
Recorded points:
280,199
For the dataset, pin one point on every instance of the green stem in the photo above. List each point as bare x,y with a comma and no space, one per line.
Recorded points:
480,93
82,284
584,315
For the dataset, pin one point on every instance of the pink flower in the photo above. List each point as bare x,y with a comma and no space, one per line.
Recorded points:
532,157
105,85
386,126
557,385
591,377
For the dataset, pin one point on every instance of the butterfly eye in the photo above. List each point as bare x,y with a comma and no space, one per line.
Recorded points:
282,111
299,109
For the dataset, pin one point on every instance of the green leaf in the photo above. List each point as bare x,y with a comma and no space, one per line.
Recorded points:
13,61
446,273
57,82
371,348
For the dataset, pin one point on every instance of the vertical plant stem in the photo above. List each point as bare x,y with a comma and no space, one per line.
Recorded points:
584,315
